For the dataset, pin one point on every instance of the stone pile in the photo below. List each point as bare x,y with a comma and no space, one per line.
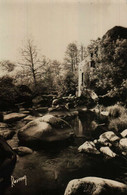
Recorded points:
108,144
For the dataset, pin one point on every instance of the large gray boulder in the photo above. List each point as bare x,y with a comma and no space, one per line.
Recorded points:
45,129
34,131
95,186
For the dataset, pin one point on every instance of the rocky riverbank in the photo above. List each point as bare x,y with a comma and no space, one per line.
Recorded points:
61,145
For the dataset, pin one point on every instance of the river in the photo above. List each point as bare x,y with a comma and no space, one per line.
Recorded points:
48,170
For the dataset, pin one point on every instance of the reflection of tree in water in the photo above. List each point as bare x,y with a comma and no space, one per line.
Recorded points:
80,127
86,125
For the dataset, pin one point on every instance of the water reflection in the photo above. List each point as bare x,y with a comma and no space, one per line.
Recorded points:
78,127
85,124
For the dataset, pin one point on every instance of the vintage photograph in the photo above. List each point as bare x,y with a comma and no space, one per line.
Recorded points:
63,97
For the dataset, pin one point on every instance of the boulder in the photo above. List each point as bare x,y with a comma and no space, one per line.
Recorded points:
58,108
6,134
95,186
22,109
25,112
39,131
124,133
95,109
108,152
3,125
54,121
103,116
123,146
34,131
29,118
95,141
88,147
93,95
44,100
7,159
108,137
104,113
22,151
42,109
13,117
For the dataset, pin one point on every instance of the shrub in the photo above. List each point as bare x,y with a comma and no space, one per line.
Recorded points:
67,84
8,93
116,111
118,124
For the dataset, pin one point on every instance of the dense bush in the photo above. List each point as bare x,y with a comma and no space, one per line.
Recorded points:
11,95
117,118
24,95
110,72
67,84
8,93
118,124
116,111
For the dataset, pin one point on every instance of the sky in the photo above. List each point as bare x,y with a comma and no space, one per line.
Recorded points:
53,24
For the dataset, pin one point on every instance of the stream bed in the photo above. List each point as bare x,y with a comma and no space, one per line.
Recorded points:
48,170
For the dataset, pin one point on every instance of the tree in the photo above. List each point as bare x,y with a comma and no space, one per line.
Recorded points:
30,60
22,77
51,73
101,77
82,53
42,72
67,83
56,67
7,65
71,57
110,70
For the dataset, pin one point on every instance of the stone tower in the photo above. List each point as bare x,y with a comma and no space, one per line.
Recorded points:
82,67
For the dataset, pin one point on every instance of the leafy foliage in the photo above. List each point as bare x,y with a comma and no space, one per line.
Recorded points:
30,60
8,93
118,124
116,111
67,84
7,65
108,76
110,72
71,57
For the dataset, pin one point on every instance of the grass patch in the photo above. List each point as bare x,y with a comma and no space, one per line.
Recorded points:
118,124
117,118
116,111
